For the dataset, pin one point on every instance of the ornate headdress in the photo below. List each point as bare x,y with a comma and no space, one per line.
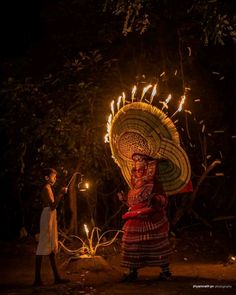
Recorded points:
140,128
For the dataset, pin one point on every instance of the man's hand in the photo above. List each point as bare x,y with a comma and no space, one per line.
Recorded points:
64,190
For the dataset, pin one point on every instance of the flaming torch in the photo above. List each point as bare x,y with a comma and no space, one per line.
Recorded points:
183,97
118,102
165,103
145,89
123,98
86,230
154,91
181,103
133,92
112,108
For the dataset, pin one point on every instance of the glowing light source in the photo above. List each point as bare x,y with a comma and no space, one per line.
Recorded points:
83,186
231,259
145,89
154,92
118,102
168,98
123,98
165,103
86,230
133,92
183,97
112,107
93,242
106,138
108,127
109,118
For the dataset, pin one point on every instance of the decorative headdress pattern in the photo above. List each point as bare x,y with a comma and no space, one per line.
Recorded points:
140,128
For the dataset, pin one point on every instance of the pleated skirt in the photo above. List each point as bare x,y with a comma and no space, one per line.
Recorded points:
145,242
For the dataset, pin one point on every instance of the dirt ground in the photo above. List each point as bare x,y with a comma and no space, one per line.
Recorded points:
199,265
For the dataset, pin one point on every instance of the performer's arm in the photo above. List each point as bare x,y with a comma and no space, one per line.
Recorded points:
122,197
160,200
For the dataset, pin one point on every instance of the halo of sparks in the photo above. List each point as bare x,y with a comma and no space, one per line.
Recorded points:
147,96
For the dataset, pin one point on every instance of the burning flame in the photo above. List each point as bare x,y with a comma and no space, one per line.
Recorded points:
108,127
145,89
86,229
112,107
123,98
109,119
165,103
183,97
106,138
181,103
133,92
168,98
86,185
93,242
154,92
118,102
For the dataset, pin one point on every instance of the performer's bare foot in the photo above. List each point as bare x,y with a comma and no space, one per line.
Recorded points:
165,276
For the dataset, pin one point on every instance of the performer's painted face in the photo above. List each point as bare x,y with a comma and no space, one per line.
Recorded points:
140,169
139,172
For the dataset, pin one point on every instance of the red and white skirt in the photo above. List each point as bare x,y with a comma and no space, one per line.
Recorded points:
145,242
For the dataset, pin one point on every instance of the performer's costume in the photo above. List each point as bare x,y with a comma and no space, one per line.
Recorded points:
145,240
145,144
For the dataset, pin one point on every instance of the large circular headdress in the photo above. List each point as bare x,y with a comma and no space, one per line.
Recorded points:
139,127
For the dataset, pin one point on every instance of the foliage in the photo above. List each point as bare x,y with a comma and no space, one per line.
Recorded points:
57,121
213,17
57,117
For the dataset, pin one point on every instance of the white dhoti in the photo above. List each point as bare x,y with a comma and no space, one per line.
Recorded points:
48,236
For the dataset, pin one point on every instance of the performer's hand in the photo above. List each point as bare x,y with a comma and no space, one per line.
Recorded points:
121,196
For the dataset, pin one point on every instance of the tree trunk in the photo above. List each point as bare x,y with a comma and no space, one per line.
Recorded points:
187,204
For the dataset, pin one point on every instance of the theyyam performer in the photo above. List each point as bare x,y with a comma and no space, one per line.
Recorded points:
145,145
